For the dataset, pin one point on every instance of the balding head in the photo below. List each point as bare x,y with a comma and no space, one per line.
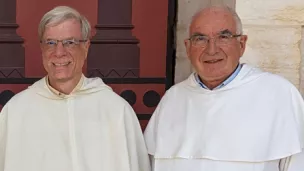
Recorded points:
229,12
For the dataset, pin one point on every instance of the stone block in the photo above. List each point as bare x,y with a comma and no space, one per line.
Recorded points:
271,12
275,49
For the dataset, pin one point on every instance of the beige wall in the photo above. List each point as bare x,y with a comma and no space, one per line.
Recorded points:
275,35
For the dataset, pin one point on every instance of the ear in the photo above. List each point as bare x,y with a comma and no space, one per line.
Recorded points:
86,48
40,45
87,45
42,50
243,42
187,46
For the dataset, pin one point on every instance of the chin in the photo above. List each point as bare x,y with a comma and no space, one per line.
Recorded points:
215,75
61,78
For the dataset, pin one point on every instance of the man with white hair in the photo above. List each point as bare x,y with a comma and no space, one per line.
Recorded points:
226,116
65,121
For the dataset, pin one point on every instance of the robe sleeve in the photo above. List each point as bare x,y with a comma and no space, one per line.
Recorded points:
151,135
3,115
152,129
138,155
296,161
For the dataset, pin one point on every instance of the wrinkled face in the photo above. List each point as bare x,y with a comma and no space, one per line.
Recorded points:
214,49
64,51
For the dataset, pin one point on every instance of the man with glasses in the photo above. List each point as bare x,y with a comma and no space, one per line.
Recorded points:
65,121
226,116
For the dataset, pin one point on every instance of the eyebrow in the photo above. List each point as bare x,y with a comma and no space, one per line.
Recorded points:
68,38
225,32
198,34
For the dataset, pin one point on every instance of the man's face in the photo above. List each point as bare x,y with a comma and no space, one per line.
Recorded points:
217,58
64,61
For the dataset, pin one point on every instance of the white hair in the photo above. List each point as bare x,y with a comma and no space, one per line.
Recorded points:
239,27
60,14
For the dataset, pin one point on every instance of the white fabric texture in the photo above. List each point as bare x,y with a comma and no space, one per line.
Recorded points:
92,129
250,124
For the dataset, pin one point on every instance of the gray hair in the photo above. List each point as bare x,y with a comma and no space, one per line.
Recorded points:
239,26
60,14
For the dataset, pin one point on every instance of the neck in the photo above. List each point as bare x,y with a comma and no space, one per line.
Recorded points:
214,83
66,86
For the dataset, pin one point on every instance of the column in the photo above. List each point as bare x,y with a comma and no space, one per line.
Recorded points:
11,49
114,52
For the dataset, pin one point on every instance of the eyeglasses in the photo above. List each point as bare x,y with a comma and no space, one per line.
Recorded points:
68,43
199,40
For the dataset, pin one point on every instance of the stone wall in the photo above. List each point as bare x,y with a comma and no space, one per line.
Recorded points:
274,28
275,36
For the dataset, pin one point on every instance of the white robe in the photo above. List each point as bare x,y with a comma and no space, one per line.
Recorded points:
92,129
255,123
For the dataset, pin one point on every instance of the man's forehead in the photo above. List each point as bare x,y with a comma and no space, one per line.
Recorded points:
68,23
63,30
213,29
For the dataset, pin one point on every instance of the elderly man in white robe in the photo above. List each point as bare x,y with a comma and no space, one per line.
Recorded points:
65,121
226,116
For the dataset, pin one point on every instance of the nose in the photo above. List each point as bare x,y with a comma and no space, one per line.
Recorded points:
60,50
212,47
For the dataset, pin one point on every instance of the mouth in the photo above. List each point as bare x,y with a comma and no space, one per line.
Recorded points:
213,61
61,64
